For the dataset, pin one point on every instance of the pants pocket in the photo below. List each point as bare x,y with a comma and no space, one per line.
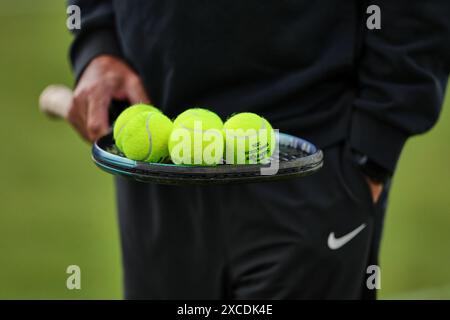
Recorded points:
353,179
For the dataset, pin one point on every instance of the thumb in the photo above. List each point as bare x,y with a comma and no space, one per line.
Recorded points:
135,91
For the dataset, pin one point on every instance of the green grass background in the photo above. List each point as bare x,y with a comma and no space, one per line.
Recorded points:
52,217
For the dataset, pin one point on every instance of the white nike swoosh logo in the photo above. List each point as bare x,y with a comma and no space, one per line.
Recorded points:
336,243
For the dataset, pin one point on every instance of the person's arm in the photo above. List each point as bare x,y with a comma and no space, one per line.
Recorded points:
97,35
403,74
101,70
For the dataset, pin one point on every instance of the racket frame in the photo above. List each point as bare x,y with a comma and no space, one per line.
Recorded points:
172,174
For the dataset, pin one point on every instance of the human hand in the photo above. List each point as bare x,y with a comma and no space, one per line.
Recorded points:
105,78
376,189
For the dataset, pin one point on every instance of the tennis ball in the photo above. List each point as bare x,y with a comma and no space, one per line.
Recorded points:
197,138
249,139
126,116
145,137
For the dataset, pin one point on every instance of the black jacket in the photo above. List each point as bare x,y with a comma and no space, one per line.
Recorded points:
311,67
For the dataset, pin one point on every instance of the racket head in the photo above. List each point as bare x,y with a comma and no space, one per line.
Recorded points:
297,158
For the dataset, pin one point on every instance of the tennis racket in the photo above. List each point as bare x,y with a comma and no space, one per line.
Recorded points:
293,157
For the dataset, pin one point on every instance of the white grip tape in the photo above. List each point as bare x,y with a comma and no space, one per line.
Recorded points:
55,101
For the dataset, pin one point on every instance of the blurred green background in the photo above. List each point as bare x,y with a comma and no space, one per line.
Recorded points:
52,217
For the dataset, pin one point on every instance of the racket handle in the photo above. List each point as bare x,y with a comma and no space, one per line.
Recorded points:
55,101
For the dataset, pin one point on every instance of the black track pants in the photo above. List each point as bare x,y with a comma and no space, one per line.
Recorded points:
307,238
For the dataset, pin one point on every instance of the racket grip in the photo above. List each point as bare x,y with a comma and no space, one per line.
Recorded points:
55,101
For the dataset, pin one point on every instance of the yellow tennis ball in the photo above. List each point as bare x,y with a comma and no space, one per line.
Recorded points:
145,137
249,139
125,117
197,138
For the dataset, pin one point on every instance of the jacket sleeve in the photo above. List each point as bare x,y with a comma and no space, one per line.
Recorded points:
402,77
98,34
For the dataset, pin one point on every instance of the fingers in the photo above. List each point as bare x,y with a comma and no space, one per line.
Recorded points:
104,79
376,193
89,113
376,189
78,114
97,122
135,91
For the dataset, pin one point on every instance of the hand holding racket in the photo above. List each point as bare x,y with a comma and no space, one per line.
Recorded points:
104,80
